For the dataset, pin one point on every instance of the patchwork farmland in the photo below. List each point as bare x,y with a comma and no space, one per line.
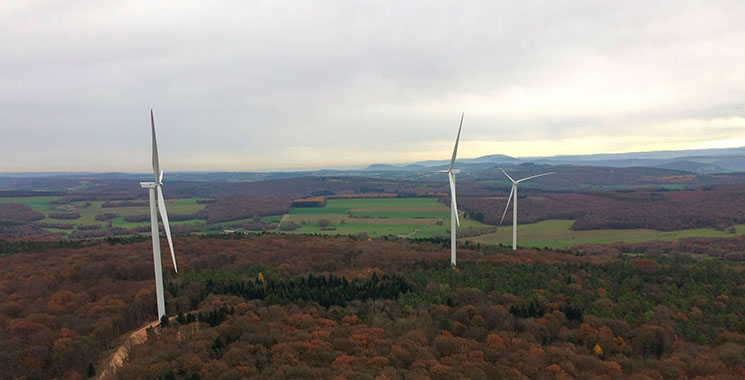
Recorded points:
558,234
373,217
405,217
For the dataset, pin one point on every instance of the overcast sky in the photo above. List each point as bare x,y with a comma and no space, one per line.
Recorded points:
272,85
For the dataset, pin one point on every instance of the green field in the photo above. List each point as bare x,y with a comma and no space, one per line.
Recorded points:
406,217
558,234
88,214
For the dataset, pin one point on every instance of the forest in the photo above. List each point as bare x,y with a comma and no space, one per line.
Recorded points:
664,210
15,212
283,306
234,207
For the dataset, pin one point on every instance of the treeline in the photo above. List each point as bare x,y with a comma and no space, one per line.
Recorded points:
581,178
213,317
28,246
8,247
146,217
731,248
315,201
61,226
255,225
176,229
104,216
125,203
64,215
23,230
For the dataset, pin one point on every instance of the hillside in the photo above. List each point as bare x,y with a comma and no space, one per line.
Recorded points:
284,306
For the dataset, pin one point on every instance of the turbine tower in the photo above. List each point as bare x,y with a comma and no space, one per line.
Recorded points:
154,187
454,220
513,192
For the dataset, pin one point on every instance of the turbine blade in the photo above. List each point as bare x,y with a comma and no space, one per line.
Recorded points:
534,176
421,175
164,216
156,164
453,198
508,176
457,139
508,204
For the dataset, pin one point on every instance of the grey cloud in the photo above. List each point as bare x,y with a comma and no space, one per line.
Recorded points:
237,81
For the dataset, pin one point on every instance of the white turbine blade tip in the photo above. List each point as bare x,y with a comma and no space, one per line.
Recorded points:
455,148
534,176
156,161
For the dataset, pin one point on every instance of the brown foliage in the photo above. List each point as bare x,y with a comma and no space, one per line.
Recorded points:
16,212
236,207
716,207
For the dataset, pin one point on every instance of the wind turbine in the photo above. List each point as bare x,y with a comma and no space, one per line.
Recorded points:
454,221
153,187
513,192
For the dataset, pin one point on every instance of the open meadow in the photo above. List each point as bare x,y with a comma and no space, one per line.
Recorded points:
405,217
558,234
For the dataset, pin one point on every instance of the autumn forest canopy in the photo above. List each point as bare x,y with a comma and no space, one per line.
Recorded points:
279,306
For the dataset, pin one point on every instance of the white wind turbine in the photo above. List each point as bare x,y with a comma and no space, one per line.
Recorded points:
454,220
513,192
152,187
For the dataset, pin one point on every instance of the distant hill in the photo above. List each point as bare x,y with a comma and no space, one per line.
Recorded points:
705,161
492,159
388,167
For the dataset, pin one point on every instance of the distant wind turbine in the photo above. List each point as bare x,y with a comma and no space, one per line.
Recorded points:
454,220
152,187
513,192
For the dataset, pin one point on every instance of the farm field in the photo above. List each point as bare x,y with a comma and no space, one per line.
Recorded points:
558,234
406,217
89,210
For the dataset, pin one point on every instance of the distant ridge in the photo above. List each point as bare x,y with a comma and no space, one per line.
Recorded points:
705,161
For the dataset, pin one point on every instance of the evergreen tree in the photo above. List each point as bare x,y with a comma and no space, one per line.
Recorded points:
91,371
164,321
